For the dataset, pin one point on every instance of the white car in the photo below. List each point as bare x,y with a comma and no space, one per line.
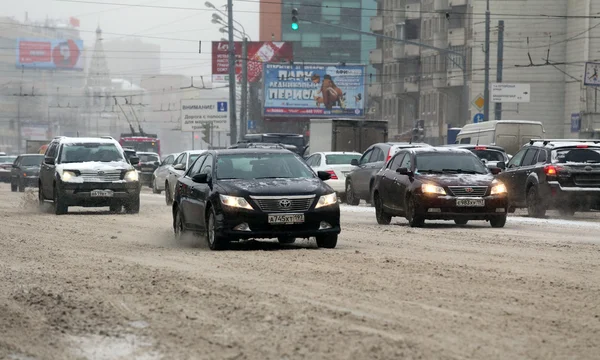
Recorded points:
159,178
179,167
337,163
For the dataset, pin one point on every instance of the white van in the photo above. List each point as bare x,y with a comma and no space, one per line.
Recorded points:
509,134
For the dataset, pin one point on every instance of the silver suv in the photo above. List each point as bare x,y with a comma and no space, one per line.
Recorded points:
89,172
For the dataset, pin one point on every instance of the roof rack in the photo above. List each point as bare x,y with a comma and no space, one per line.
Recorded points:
547,141
107,137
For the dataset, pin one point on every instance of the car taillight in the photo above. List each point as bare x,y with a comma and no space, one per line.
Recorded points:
582,146
551,170
480,148
333,175
389,155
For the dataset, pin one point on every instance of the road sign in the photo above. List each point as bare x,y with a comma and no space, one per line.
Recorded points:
478,118
251,124
575,122
478,102
592,74
196,113
510,93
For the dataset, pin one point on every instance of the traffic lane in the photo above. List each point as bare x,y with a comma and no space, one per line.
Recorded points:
386,292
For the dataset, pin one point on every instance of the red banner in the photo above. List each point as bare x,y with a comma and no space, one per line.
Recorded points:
259,52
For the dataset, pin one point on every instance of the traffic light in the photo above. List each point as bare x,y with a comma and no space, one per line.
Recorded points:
295,19
206,133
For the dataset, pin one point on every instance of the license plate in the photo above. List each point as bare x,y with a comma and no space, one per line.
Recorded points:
101,193
286,218
147,169
470,202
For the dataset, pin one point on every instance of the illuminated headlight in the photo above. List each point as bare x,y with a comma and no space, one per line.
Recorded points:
327,200
498,188
432,189
234,201
68,176
131,176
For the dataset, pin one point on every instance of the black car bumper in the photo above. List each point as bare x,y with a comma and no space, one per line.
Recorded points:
445,208
31,181
80,194
317,222
558,196
146,177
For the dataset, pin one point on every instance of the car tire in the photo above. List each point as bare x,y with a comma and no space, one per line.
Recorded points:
178,225
60,207
535,208
116,208
351,199
327,241
498,221
286,240
380,214
215,242
21,186
168,198
414,220
133,205
13,186
461,221
154,188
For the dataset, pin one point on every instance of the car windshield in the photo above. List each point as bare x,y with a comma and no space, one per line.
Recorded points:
577,155
262,166
148,158
341,159
489,155
449,163
192,158
35,160
84,152
7,159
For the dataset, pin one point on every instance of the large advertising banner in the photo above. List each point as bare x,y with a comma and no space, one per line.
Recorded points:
259,52
314,90
53,54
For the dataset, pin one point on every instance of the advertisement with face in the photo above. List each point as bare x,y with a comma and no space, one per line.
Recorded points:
52,54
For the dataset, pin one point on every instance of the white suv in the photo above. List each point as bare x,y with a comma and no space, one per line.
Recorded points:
89,172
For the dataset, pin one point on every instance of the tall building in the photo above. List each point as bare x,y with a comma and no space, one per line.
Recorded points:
414,82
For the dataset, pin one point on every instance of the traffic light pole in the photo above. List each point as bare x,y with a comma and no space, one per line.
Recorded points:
463,65
232,110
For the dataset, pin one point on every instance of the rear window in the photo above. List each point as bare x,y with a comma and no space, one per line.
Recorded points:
576,155
32,160
341,159
489,155
146,158
7,159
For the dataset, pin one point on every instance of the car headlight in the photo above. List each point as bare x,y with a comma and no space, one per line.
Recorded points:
327,200
432,189
68,176
131,175
235,201
498,188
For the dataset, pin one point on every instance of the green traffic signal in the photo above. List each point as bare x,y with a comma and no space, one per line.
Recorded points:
294,26
295,19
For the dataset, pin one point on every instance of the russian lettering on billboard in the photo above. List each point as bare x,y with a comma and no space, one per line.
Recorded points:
196,113
314,90
53,54
259,52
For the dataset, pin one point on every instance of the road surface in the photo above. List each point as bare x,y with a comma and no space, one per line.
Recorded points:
93,285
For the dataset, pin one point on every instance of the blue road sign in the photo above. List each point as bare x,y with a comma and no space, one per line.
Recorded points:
251,124
222,106
478,118
575,122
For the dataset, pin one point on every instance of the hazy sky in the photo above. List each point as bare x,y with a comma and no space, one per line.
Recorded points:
183,27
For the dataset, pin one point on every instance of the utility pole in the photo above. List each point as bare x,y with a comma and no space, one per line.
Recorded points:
19,135
232,115
486,90
244,112
500,64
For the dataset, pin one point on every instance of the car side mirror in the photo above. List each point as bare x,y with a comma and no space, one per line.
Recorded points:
200,178
323,175
14,165
404,171
501,165
495,170
354,162
157,163
179,167
49,160
134,160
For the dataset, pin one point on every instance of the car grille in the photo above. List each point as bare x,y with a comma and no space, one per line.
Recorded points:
587,179
284,204
102,176
468,191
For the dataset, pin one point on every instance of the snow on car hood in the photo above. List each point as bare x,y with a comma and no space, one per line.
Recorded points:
459,179
275,186
95,166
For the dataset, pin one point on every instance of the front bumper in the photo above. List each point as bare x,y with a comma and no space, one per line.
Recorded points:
30,180
79,194
444,207
259,227
145,177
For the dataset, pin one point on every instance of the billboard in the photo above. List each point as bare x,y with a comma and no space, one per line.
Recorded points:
259,52
52,54
314,90
196,113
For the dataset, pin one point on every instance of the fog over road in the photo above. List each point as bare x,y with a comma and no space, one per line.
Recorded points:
95,285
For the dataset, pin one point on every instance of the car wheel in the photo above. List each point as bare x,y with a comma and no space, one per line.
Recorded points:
154,188
178,225
215,242
414,220
60,207
21,186
168,198
498,221
133,205
535,208
13,186
461,221
286,240
351,199
116,208
327,241
380,215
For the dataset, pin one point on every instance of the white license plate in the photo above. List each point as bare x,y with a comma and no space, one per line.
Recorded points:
286,218
101,193
470,202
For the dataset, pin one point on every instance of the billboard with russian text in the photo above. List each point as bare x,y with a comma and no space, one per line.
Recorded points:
52,54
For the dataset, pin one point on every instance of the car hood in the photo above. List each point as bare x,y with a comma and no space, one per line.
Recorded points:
274,187
91,166
458,179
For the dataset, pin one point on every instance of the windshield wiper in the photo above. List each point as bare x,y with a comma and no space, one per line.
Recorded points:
273,177
430,171
461,171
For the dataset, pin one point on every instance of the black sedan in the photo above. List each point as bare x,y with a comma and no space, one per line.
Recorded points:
439,183
25,171
241,194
